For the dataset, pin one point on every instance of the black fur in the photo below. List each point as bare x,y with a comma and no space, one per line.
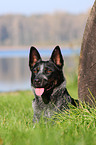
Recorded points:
49,75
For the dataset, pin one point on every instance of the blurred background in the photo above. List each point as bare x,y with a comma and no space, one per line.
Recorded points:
43,24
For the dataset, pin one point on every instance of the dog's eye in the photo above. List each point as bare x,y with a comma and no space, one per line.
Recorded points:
48,70
36,70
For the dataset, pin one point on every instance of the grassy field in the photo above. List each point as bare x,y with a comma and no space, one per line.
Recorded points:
76,127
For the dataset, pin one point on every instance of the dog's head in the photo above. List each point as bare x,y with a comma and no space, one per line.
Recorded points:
46,75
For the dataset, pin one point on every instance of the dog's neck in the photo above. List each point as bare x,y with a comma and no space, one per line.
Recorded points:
60,87
59,91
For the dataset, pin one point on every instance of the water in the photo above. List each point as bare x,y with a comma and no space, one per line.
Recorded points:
43,52
14,69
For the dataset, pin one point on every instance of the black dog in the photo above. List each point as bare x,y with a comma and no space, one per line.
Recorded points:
49,84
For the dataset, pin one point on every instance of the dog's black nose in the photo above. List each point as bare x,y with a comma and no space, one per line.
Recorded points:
37,82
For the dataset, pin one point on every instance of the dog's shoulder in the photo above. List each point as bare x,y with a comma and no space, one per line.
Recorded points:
71,100
64,99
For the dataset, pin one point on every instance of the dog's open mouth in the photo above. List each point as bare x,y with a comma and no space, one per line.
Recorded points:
43,92
39,91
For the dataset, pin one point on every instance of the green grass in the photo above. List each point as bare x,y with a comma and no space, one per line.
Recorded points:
75,127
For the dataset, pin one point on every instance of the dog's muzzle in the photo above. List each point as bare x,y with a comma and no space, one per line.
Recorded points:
40,81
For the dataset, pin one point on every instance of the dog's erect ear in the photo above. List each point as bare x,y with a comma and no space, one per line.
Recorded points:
34,56
56,57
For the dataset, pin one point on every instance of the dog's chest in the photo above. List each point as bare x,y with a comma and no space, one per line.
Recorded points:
46,109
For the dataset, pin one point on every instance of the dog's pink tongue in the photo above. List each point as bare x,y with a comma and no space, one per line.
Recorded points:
39,91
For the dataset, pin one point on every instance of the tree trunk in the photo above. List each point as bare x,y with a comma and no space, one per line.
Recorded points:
87,64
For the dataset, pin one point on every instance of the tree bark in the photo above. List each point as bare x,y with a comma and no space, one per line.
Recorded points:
87,63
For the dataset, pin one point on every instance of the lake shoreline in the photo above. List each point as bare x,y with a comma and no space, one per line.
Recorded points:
44,52
39,47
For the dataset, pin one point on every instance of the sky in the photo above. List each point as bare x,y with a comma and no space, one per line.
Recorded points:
29,7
